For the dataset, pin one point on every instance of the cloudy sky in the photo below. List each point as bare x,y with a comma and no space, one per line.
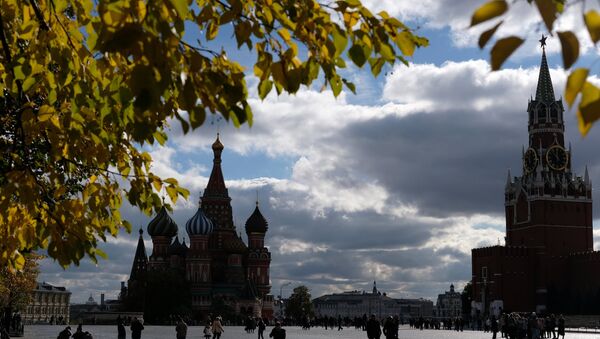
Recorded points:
396,184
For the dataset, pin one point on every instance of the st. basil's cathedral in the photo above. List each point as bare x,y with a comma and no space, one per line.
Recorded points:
217,263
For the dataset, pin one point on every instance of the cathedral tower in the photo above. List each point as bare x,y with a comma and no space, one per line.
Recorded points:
259,257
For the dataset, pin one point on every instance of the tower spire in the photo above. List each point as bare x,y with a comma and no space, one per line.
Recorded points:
216,183
140,261
545,91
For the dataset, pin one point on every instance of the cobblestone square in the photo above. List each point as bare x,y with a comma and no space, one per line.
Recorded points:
194,332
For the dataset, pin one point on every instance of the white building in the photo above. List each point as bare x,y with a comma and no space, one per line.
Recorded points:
50,304
449,304
356,304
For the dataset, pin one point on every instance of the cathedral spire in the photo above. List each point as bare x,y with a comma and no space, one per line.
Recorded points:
140,261
544,92
216,183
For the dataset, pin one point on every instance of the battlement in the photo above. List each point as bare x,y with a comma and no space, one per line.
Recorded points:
506,251
584,256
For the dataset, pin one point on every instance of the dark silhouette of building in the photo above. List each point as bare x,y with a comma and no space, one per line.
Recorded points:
548,262
217,264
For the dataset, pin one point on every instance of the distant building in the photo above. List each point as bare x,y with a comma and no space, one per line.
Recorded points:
104,313
356,304
449,304
49,305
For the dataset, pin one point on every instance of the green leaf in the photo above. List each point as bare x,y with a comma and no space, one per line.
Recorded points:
488,11
336,85
349,85
339,39
357,55
592,22
503,49
570,48
264,87
487,35
575,83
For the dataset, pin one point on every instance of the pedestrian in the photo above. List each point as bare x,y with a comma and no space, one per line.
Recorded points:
217,328
207,332
121,334
373,328
277,332
3,333
561,326
388,328
79,333
65,334
136,328
494,327
181,329
261,328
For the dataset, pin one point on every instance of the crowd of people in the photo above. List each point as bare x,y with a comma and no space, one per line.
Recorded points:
525,325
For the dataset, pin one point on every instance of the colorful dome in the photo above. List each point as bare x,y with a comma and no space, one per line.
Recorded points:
162,225
199,224
177,248
256,222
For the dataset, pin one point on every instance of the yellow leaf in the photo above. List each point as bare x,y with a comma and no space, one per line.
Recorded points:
570,48
285,34
487,35
404,42
575,84
592,21
488,11
548,11
45,112
589,107
503,49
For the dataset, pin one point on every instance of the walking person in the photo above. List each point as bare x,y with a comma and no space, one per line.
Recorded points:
561,326
217,328
136,328
207,332
277,332
181,329
494,327
373,328
79,333
261,328
121,333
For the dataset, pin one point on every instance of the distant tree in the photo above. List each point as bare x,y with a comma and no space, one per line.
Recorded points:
16,287
86,84
167,294
299,304
466,297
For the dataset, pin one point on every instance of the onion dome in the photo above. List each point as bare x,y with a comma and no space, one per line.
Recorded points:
217,145
256,222
177,248
199,224
162,225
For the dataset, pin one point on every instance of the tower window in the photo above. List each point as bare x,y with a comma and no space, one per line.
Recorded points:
541,113
554,115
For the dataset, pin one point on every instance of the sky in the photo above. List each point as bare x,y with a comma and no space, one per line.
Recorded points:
395,184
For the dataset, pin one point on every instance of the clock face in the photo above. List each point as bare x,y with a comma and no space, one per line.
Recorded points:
557,158
530,160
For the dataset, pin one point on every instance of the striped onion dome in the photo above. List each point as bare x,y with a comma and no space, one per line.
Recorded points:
162,225
199,224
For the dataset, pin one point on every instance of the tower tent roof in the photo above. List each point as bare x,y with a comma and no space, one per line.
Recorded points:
545,91
140,260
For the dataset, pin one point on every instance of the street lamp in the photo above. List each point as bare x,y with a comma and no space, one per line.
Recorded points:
281,297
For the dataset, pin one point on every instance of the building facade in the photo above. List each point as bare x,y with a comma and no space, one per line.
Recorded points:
49,305
356,304
449,304
548,262
217,263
